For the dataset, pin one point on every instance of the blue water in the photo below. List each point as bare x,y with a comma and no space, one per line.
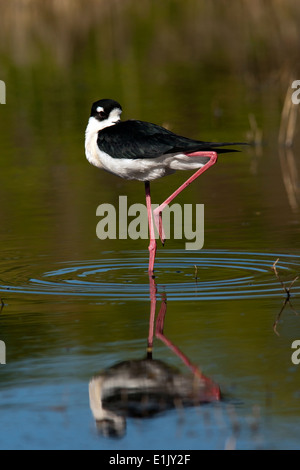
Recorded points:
80,318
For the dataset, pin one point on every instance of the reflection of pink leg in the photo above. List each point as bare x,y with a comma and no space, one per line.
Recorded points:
152,245
157,213
152,288
212,390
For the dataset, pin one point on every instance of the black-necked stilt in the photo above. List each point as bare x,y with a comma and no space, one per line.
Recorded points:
138,150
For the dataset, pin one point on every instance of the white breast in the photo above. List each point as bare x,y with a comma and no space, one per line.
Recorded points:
91,135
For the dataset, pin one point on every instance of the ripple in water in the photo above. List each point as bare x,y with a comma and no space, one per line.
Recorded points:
221,275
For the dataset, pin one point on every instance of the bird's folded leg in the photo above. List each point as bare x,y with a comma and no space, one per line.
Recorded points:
157,213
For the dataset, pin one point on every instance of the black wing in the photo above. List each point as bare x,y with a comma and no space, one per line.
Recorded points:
137,139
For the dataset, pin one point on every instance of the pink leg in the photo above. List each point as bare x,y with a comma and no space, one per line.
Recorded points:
157,213
152,245
152,289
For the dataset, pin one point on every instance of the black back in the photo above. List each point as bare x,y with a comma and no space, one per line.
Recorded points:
138,139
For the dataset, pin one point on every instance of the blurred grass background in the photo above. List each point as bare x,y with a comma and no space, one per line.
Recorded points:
126,44
257,38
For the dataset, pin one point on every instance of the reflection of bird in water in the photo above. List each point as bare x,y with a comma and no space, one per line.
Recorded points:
138,150
143,388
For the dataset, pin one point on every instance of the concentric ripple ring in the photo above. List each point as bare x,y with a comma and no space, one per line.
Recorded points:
183,275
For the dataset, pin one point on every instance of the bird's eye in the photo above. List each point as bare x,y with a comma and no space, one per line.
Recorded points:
102,114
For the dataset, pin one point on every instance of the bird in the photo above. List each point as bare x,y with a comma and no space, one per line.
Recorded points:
143,151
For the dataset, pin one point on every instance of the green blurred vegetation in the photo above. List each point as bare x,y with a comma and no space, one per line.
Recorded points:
144,53
202,68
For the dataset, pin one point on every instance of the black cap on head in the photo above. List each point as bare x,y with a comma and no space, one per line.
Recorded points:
102,108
